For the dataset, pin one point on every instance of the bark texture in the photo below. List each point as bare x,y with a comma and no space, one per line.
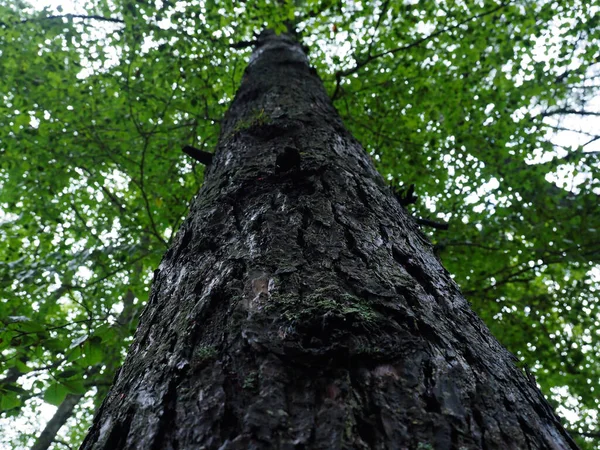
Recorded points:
300,307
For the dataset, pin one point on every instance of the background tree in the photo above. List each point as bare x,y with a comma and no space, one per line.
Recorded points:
456,98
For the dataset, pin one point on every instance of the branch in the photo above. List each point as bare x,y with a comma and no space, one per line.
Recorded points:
571,130
199,155
432,223
405,196
442,244
62,414
591,141
242,44
370,58
12,375
61,442
74,16
384,8
566,111
585,433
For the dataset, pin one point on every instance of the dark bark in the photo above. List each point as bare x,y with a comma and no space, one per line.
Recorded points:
301,307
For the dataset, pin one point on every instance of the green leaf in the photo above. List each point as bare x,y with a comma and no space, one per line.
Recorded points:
93,353
55,393
8,400
75,386
23,368
68,373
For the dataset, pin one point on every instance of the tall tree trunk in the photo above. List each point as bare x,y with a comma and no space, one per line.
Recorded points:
301,307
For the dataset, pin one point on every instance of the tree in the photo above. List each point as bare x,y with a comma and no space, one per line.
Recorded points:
299,307
100,146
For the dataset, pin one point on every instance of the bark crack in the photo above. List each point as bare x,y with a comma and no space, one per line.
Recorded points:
119,431
166,437
414,269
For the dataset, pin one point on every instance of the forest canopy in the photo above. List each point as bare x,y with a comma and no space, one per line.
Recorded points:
488,108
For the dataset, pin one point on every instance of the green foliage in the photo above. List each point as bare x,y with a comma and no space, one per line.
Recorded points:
459,98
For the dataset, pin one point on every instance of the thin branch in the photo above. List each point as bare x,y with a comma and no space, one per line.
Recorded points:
61,442
145,196
110,274
571,130
383,12
145,136
106,191
566,111
75,16
432,223
443,244
594,139
12,375
242,44
322,7
371,58
586,434
379,134
521,269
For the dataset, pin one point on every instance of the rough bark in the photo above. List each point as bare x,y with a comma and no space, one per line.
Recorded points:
300,307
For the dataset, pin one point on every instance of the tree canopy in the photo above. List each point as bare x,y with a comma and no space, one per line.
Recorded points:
487,107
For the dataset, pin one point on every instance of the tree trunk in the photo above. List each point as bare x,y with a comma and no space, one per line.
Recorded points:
300,307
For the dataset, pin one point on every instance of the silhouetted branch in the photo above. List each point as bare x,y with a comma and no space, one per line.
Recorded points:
370,58
432,223
585,433
566,111
75,16
199,155
242,44
405,196
60,417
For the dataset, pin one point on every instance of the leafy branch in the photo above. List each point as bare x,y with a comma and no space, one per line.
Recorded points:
370,58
